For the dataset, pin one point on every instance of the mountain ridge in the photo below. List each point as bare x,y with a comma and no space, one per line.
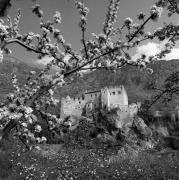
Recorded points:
136,82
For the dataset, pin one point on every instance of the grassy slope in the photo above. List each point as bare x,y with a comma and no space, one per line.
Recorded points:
87,163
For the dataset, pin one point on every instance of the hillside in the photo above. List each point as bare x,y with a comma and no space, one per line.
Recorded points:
135,81
6,68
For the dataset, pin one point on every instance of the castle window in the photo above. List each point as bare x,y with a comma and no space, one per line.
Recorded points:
113,93
119,92
79,102
91,95
83,97
96,95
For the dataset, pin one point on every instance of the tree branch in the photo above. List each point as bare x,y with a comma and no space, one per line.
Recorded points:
29,48
91,68
24,45
23,141
141,27
84,44
171,3
171,91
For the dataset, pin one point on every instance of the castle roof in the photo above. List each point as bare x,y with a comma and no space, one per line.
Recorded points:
90,92
109,87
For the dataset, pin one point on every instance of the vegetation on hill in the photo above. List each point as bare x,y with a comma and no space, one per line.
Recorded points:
85,155
137,83
6,68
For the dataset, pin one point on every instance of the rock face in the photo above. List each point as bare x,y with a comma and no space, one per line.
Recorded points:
113,122
141,127
108,127
172,141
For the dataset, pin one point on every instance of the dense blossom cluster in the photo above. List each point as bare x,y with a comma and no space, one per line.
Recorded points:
37,10
57,17
155,12
24,106
111,17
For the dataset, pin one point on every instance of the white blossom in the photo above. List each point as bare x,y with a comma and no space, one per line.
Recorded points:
1,55
24,124
149,70
28,110
51,92
38,148
43,139
37,10
155,12
38,128
57,17
141,16
128,21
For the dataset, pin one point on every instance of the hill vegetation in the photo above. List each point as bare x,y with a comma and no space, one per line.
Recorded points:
136,83
6,68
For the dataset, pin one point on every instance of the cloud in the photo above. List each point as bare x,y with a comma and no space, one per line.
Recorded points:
151,49
173,55
45,60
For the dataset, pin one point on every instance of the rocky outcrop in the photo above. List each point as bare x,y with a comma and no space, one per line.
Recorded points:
141,127
172,141
117,125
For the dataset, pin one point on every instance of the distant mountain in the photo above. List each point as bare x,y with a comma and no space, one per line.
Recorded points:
136,82
6,68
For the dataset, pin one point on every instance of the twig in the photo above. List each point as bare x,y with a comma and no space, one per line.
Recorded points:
22,140
29,48
171,3
84,44
141,27
171,90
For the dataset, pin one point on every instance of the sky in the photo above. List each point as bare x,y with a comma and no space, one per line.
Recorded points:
70,19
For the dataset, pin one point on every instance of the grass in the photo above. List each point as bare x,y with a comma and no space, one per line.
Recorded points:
72,162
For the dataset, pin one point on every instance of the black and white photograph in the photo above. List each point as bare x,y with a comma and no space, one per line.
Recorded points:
89,89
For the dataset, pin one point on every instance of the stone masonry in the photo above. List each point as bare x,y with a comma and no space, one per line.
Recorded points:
106,98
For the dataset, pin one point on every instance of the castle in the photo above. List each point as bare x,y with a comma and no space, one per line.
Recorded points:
106,98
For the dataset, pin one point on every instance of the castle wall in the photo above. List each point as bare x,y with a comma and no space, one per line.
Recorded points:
126,113
93,97
118,97
72,106
114,97
105,103
107,98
